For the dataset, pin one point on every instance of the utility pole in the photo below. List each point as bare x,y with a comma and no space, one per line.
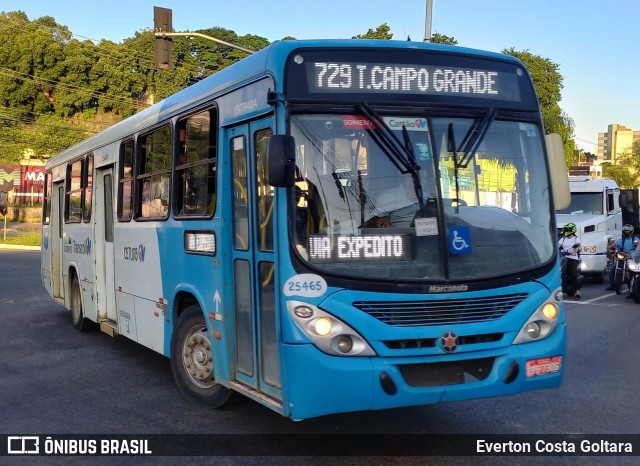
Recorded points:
427,21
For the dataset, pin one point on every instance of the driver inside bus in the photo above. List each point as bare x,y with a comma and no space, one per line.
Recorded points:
396,206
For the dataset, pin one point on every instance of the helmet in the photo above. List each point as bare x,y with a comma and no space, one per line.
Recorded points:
627,230
569,229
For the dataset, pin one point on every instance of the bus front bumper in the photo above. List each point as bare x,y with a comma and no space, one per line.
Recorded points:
319,384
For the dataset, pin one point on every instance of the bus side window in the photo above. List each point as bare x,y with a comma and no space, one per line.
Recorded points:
125,184
154,164
195,165
73,201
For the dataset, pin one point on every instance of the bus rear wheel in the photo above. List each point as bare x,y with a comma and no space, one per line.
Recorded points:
81,323
192,360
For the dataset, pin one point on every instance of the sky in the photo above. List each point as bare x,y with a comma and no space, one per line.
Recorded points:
595,43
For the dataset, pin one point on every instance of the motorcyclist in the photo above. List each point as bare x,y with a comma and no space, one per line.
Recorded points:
627,243
569,246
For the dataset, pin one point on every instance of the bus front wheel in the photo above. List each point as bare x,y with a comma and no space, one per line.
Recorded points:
192,360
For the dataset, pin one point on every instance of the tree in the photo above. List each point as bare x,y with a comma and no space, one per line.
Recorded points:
621,174
381,32
547,81
631,157
438,38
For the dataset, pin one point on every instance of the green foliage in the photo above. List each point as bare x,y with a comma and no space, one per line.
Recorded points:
627,171
631,157
56,90
547,81
438,38
28,237
621,174
381,32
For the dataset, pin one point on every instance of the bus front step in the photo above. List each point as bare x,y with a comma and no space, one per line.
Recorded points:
109,327
259,396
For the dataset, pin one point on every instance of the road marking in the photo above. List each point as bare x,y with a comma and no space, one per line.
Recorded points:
591,301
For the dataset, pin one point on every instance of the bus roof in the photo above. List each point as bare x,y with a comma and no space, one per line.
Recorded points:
253,67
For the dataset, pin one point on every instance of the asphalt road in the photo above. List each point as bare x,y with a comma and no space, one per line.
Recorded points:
55,380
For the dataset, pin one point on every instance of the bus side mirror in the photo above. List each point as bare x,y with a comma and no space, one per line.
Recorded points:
558,171
281,161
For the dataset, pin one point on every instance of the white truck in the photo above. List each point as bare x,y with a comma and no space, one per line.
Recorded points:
595,209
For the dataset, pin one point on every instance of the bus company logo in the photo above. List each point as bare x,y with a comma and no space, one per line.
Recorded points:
135,253
449,341
78,248
87,246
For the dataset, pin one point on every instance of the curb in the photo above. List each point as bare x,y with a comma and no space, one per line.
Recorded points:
17,247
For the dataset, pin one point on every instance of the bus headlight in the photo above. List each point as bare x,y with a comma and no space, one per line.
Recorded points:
542,322
328,333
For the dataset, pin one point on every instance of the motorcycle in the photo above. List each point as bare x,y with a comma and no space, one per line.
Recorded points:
627,273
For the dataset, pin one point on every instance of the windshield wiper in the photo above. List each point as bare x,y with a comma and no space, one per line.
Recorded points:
475,135
401,155
469,144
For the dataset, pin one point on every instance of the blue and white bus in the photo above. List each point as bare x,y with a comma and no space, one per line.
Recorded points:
324,227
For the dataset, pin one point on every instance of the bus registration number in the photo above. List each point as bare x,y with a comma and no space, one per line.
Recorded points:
543,366
305,284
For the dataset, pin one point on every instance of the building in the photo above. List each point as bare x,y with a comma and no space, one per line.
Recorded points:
613,143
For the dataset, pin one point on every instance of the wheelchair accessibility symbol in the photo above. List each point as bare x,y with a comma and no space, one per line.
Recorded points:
459,240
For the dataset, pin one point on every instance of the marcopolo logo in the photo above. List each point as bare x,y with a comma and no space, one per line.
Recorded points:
135,253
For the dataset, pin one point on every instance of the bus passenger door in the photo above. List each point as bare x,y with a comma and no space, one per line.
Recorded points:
256,328
57,219
103,234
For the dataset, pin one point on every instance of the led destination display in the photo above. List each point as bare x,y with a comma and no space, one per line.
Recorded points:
404,78
347,248
415,75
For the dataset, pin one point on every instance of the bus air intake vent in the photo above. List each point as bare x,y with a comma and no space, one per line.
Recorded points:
441,312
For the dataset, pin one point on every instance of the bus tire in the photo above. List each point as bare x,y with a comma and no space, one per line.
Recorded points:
80,322
192,360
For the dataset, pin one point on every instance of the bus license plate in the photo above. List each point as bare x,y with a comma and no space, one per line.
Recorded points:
543,366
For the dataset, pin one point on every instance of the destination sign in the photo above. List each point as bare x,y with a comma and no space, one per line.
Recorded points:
389,75
403,78
351,248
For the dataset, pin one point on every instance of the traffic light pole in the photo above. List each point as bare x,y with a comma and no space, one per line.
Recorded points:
162,35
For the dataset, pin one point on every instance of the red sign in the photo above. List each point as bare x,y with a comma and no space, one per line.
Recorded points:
543,366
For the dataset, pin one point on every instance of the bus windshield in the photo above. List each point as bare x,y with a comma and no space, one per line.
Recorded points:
420,198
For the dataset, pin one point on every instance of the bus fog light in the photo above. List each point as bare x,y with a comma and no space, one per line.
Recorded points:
533,329
344,343
322,326
303,312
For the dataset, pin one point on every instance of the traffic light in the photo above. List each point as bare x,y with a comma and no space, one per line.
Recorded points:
163,45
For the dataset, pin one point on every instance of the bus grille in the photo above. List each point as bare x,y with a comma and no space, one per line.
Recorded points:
441,312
